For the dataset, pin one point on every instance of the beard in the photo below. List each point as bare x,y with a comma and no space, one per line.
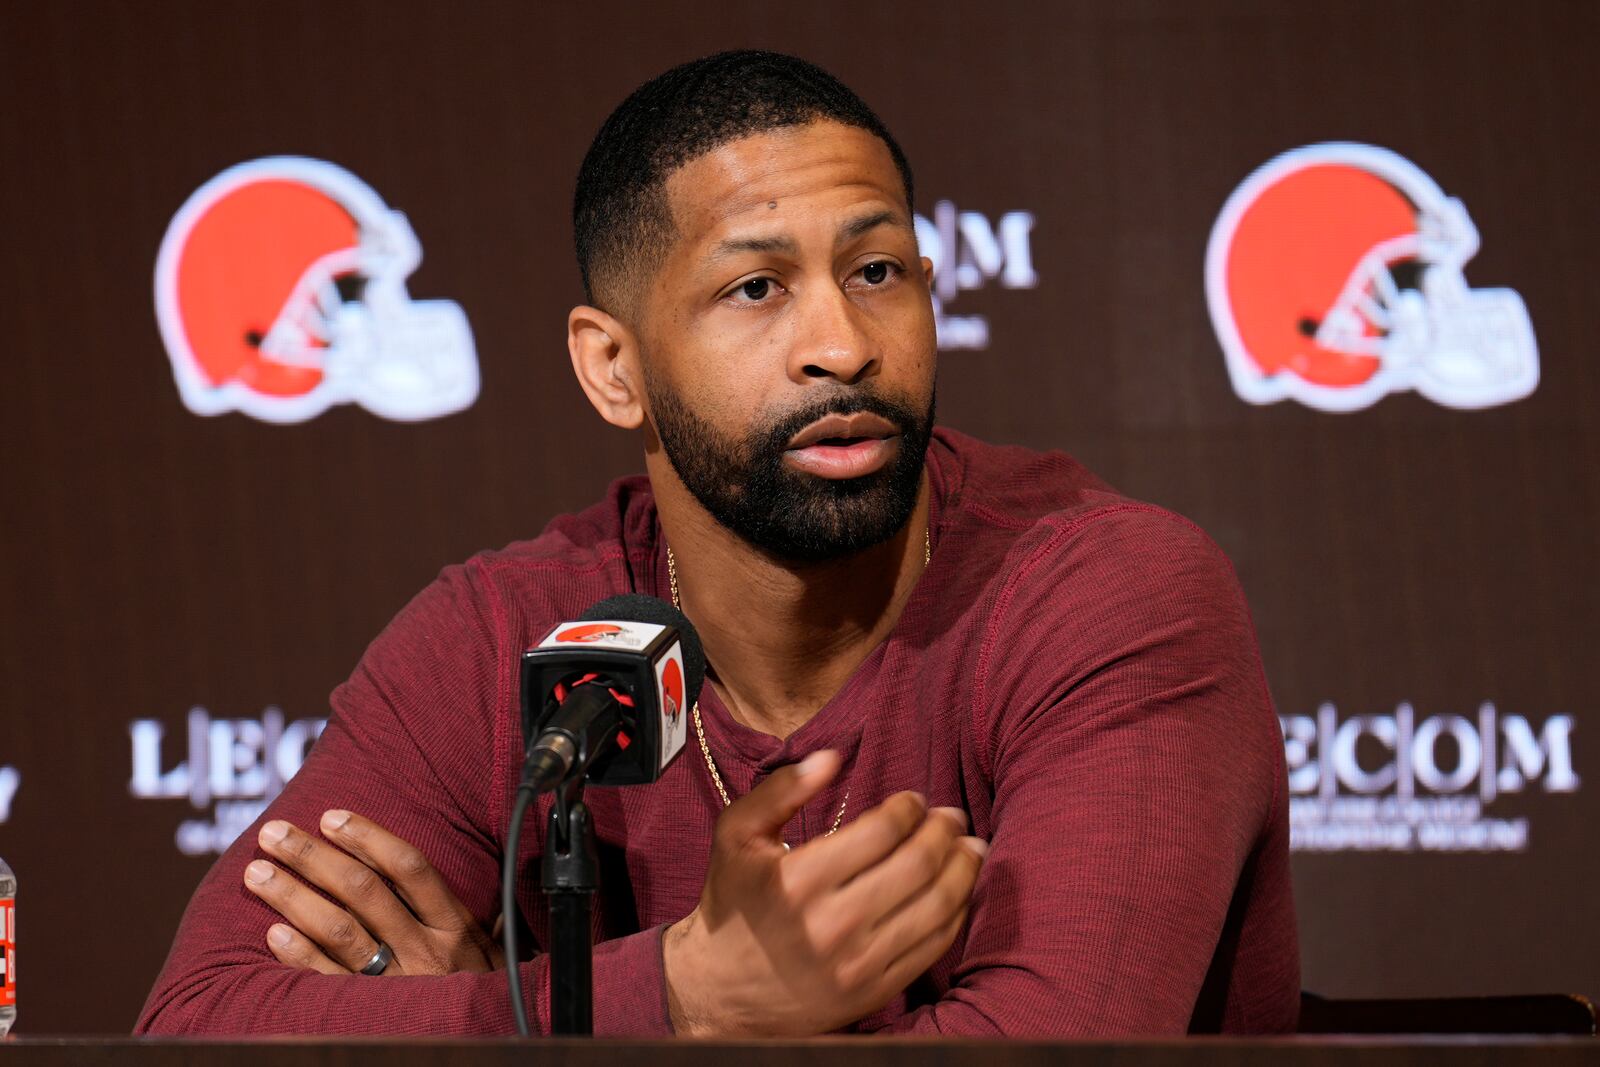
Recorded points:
746,486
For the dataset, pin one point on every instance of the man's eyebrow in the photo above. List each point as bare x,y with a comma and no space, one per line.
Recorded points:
783,245
851,230
734,245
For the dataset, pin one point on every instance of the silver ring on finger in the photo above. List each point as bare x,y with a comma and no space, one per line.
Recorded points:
380,960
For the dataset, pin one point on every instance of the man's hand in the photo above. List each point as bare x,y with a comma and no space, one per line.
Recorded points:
427,927
803,942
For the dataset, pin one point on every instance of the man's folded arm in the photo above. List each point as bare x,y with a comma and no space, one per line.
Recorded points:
1135,761
411,745
266,997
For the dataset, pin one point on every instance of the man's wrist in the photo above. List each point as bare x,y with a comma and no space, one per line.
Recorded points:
677,963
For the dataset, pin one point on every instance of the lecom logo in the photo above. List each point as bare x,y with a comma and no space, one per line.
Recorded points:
1334,277
280,291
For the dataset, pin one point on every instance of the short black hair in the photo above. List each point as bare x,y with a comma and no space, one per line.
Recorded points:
620,214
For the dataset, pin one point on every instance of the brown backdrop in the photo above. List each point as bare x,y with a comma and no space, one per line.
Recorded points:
156,561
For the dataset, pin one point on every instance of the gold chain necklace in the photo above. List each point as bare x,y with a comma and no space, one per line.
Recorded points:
700,730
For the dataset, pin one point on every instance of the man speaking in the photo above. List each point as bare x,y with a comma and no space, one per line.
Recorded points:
984,747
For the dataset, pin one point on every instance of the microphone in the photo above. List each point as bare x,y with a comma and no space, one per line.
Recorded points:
603,702
605,697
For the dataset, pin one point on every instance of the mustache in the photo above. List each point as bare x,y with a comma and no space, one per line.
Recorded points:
777,435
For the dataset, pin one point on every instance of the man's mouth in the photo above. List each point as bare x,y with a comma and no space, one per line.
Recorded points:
843,446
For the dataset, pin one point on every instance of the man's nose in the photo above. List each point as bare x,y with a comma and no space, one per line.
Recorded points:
833,339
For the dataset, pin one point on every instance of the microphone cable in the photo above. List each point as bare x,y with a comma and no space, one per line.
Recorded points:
526,792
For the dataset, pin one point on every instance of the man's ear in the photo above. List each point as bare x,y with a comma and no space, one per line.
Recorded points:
927,272
605,357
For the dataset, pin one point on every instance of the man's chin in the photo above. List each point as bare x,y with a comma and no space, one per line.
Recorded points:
830,526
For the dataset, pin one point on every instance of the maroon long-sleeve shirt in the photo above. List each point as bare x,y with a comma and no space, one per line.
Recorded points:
1076,670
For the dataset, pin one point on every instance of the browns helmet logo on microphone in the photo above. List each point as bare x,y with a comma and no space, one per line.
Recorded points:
674,730
1334,277
590,632
671,691
280,292
630,635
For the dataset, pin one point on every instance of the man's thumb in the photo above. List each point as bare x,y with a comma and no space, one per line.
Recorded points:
762,812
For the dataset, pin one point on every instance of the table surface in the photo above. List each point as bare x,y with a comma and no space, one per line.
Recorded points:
1456,1051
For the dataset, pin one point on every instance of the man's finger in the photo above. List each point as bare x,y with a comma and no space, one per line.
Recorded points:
295,949
419,884
829,862
931,910
916,861
761,813
349,881
336,932
921,956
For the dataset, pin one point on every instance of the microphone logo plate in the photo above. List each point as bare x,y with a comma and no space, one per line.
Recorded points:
604,633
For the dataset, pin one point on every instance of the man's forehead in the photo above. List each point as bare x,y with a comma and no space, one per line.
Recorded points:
822,164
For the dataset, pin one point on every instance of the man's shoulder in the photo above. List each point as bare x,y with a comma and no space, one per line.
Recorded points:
1078,582
614,525
578,558
1012,486
1020,503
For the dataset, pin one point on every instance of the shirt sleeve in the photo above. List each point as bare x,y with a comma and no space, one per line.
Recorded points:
1136,834
412,744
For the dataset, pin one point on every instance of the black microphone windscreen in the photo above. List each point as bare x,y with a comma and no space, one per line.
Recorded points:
636,607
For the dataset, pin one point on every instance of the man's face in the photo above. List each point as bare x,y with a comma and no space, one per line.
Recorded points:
788,341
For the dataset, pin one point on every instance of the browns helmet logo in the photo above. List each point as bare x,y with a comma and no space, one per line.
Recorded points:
672,693
589,632
280,291
1334,277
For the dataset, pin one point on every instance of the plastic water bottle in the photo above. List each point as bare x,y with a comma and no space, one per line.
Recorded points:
8,948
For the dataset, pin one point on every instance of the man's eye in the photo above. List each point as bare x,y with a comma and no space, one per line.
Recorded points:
878,272
756,288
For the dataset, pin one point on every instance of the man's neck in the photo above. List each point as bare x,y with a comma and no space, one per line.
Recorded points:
782,638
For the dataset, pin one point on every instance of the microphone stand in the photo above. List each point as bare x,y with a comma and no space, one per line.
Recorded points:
570,879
